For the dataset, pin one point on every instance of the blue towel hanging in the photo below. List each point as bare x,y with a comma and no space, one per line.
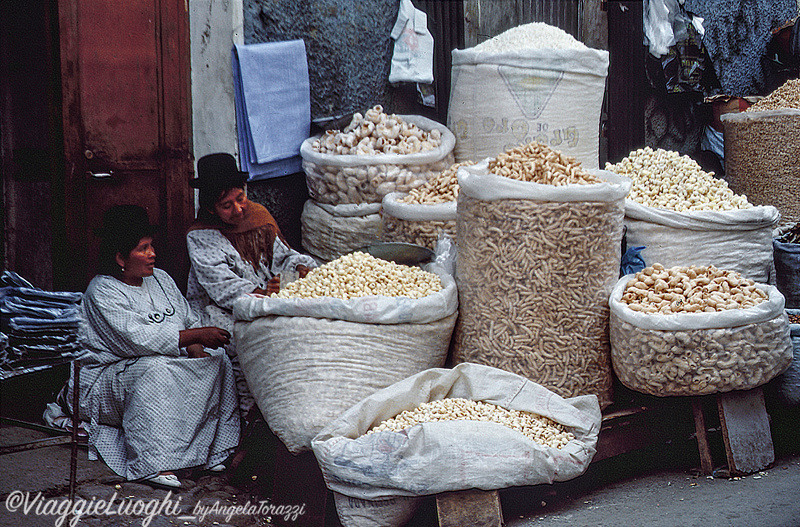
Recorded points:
273,106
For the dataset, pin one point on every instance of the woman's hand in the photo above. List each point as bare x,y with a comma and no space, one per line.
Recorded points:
196,351
302,270
274,285
207,337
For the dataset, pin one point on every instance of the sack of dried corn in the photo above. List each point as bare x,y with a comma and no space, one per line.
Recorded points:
377,153
329,231
539,242
534,82
683,215
397,443
696,330
762,155
326,341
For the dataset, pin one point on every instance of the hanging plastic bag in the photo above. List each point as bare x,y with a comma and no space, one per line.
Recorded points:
412,60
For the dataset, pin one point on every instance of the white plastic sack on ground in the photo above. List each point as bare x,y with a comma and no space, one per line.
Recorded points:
687,354
502,100
736,240
308,360
435,457
330,231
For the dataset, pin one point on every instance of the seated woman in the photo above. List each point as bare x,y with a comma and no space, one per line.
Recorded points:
235,247
156,392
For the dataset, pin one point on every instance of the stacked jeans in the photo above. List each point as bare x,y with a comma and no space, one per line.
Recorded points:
38,327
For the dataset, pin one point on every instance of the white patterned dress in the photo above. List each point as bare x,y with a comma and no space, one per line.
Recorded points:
219,275
149,407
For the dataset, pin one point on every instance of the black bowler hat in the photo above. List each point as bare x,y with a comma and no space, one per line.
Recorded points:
124,222
218,171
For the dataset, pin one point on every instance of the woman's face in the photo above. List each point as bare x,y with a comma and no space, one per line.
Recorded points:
139,263
230,208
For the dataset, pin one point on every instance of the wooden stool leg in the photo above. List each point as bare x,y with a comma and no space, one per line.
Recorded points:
745,430
298,481
706,463
477,508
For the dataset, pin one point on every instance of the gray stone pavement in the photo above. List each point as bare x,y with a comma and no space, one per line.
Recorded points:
656,487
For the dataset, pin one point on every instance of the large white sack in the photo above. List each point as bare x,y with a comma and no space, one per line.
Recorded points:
736,240
308,360
502,100
330,231
444,456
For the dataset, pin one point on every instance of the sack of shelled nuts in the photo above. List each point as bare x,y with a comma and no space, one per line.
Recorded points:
697,330
350,327
683,215
400,441
329,231
421,215
377,153
762,154
539,241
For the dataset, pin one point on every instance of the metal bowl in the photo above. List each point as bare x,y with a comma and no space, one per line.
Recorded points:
401,253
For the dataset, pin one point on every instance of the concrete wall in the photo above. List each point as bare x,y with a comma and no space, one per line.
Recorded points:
215,26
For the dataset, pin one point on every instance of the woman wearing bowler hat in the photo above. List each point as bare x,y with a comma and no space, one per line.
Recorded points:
156,388
235,247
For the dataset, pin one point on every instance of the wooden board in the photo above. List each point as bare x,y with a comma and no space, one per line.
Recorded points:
746,431
477,508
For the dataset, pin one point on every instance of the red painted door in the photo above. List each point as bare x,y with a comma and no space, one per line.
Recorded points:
127,124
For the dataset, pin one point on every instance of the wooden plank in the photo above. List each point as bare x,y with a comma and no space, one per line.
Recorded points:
477,508
706,463
745,430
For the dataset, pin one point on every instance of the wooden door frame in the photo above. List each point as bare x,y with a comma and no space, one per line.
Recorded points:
175,129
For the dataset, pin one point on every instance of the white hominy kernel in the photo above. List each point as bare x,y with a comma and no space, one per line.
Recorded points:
665,179
359,274
539,429
535,35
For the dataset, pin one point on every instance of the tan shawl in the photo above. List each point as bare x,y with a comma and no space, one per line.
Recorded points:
253,238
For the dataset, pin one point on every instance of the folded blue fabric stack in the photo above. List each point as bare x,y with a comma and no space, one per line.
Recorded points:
39,327
273,106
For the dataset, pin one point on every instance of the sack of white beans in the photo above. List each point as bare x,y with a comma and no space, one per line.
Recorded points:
420,224
383,154
527,84
683,215
306,360
329,231
363,462
536,263
696,330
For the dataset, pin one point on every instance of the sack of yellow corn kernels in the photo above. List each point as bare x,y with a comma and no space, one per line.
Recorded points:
683,215
696,330
377,153
397,443
329,231
350,327
539,243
